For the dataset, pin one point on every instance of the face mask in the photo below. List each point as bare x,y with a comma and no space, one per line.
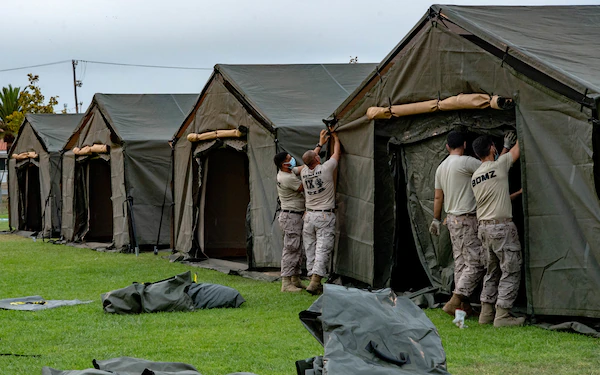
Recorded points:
495,153
292,163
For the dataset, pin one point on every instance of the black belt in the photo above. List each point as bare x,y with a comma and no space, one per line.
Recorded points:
293,212
329,210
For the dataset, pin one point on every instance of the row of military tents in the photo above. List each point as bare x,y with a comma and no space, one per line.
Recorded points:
195,172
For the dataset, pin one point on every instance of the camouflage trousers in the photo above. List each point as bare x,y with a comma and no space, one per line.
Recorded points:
291,257
469,258
503,262
318,236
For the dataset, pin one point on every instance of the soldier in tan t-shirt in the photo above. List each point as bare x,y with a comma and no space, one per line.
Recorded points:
497,232
291,197
318,234
453,191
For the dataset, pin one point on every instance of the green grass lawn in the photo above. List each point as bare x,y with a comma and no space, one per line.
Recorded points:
264,336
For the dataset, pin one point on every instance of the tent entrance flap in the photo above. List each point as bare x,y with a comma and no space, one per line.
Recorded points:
408,269
225,198
30,198
100,204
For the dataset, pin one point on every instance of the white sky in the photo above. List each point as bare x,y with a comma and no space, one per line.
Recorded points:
193,33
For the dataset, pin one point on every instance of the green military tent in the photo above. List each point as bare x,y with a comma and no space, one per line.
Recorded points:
116,170
35,171
225,182
543,58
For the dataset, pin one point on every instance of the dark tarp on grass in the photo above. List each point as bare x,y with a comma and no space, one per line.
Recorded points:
282,107
177,293
375,333
133,366
45,134
137,128
545,58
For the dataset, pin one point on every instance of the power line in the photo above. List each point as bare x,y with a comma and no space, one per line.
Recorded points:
35,66
145,66
107,63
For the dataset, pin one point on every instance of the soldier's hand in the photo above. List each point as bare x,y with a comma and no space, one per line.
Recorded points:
510,139
434,228
323,137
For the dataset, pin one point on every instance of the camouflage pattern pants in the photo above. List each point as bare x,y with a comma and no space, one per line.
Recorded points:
469,258
291,257
318,236
503,262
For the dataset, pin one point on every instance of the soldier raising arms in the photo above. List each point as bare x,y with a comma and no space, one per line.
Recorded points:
497,232
319,221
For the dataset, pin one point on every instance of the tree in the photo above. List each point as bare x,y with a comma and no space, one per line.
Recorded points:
30,100
9,101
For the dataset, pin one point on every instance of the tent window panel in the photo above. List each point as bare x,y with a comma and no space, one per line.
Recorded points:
100,203
226,198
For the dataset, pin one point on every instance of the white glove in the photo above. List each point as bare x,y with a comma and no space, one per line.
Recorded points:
510,139
434,228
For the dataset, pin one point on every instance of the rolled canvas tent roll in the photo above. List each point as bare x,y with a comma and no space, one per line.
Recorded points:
25,155
231,133
94,149
453,103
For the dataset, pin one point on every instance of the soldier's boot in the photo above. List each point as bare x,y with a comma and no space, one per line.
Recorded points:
287,286
315,286
454,303
467,308
504,319
297,282
487,313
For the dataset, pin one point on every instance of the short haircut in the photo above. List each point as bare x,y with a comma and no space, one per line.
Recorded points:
279,159
309,158
455,139
482,146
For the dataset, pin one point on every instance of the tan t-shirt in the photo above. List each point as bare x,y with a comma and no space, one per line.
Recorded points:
287,189
319,188
490,186
453,177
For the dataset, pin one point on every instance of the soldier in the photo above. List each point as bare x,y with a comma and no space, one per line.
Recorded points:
319,221
498,233
290,191
453,190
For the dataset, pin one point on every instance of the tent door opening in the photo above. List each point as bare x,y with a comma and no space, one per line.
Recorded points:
408,270
30,199
223,204
100,211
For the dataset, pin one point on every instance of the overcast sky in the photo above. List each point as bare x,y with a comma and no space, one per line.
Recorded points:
193,33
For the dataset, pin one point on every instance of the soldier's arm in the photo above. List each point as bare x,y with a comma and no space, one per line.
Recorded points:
515,152
516,194
337,149
438,201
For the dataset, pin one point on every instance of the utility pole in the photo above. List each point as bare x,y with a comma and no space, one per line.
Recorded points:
75,86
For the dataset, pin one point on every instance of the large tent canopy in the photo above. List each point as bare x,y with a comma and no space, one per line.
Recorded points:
132,173
545,59
279,108
44,135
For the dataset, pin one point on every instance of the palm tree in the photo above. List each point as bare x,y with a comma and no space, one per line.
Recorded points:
9,101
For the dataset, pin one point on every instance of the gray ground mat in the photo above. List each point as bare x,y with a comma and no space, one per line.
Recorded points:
376,333
35,303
